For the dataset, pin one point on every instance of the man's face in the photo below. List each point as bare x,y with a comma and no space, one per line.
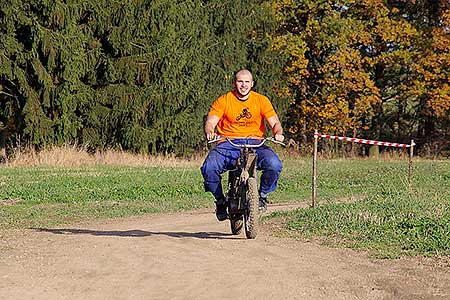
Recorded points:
243,83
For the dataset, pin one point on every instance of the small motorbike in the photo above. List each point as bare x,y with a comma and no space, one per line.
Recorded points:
242,194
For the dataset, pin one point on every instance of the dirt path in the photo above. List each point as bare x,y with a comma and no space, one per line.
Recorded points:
192,256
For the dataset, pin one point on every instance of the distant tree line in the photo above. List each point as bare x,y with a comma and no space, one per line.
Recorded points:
376,69
140,74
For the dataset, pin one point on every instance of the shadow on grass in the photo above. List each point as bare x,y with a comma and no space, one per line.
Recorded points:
138,233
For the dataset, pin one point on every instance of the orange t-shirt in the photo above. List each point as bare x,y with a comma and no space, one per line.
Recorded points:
242,118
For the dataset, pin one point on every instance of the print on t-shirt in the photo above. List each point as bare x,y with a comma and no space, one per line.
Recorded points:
244,114
242,118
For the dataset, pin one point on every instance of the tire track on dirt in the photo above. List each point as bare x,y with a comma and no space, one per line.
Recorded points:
193,256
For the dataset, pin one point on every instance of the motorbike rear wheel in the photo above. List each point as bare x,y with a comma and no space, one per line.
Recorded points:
251,212
236,223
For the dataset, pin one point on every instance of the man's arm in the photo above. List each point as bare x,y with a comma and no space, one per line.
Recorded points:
210,125
277,129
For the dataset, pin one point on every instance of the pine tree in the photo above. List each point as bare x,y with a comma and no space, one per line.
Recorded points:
138,75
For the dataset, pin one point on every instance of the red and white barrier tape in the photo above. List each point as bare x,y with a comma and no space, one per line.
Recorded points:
363,141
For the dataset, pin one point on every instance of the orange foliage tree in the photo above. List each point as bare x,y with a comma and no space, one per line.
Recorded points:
431,84
363,67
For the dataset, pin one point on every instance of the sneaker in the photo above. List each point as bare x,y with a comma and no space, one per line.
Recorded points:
262,204
221,211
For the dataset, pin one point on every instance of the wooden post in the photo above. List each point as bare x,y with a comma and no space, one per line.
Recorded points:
3,157
411,152
314,173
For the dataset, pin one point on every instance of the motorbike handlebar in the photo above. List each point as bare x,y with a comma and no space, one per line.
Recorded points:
263,140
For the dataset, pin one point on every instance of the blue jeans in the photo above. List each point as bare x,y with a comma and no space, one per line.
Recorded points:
223,158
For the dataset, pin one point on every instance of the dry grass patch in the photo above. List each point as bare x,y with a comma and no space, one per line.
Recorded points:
75,156
9,201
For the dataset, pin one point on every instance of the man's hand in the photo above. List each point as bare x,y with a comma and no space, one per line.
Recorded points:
210,124
210,136
277,130
279,137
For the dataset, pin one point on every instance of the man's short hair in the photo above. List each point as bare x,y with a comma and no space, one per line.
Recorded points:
246,71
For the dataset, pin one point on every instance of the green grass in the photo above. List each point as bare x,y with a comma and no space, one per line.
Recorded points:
368,204
364,204
51,195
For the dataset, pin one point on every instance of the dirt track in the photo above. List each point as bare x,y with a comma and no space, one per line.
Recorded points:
193,256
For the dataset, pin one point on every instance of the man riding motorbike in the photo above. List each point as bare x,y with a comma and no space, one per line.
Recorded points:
240,114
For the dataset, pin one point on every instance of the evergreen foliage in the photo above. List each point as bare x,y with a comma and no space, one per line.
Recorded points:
139,75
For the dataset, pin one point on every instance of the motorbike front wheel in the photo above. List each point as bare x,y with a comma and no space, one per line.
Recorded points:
251,212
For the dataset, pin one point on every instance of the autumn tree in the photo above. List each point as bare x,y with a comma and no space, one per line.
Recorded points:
430,78
332,50
377,69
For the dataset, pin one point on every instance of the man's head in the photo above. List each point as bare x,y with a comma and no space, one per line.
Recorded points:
243,82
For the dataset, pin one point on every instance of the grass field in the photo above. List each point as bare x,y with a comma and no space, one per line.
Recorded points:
364,204
369,204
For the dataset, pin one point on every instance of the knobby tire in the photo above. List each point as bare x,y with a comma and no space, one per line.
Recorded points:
236,223
252,212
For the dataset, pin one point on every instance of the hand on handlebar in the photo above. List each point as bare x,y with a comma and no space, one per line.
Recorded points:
216,138
279,137
211,136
